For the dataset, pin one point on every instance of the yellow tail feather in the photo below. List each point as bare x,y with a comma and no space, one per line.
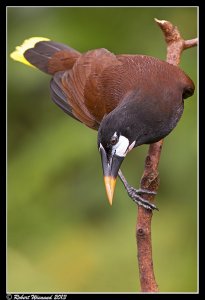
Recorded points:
18,54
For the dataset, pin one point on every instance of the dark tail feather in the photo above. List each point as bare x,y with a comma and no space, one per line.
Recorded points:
51,57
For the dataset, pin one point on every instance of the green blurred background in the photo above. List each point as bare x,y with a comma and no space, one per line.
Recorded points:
62,234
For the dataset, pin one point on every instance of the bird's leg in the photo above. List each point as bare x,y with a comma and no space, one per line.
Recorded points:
134,194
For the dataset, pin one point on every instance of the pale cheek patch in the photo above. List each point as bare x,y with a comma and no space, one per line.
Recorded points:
120,148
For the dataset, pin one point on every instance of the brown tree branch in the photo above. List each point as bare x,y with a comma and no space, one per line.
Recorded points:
190,43
150,179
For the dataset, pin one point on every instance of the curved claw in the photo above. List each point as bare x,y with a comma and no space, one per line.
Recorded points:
146,204
145,191
134,195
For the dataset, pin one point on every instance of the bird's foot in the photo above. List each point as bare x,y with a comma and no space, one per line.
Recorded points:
134,194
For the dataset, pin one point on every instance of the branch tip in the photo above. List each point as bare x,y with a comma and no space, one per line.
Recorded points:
160,21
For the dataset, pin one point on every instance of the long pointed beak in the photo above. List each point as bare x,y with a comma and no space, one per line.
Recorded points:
110,171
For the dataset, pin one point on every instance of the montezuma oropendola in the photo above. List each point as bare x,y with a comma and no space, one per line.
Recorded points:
130,99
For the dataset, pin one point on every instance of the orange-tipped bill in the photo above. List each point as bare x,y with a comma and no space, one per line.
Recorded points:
110,183
111,165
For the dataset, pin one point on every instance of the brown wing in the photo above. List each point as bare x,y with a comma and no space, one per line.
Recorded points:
96,84
95,100
82,87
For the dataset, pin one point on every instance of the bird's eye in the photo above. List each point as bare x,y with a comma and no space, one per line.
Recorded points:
114,140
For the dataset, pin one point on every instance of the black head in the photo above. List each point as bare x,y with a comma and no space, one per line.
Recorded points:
116,134
116,137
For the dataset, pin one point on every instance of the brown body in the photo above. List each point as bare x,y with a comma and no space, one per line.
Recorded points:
89,86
